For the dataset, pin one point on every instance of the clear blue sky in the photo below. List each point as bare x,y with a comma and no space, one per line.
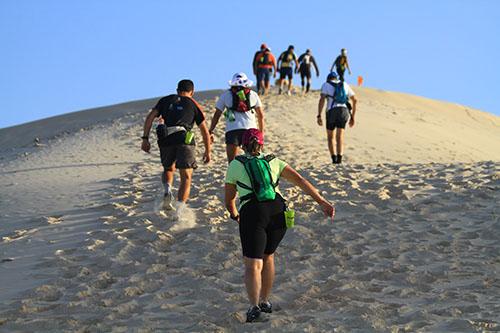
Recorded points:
62,56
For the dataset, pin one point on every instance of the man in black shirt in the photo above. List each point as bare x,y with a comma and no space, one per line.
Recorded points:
306,60
179,112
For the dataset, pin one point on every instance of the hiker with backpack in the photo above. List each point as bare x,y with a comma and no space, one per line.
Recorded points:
262,215
285,65
263,65
177,113
340,64
337,94
242,109
306,61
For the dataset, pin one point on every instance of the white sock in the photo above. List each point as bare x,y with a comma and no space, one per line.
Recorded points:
167,187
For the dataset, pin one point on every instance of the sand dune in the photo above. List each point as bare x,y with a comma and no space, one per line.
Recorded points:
414,247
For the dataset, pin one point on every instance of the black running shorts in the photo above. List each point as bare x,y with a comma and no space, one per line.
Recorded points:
337,118
182,155
262,227
235,137
286,72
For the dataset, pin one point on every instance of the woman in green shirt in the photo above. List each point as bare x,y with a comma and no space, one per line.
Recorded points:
261,223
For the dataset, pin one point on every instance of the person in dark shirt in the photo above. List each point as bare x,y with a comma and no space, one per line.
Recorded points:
177,114
341,64
285,65
306,60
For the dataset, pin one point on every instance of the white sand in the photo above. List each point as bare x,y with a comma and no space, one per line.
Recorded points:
414,247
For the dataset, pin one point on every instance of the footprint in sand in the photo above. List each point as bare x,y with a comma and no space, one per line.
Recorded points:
18,234
56,219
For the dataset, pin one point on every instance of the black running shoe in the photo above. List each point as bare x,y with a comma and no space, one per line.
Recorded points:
253,314
334,159
266,307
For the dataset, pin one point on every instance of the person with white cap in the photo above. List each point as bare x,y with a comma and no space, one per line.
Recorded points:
242,109
341,64
337,95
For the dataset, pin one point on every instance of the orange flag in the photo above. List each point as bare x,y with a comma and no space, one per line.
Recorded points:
360,81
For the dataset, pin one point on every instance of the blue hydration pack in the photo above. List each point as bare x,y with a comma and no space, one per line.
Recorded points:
340,94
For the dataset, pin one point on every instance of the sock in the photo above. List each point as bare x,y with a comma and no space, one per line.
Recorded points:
167,187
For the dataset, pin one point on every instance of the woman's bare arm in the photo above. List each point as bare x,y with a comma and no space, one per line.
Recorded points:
230,199
295,178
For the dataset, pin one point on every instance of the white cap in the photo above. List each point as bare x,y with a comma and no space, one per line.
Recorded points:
240,80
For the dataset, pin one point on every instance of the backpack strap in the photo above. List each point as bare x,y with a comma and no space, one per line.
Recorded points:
268,159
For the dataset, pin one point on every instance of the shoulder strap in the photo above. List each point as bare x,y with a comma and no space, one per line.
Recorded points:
241,158
269,157
333,85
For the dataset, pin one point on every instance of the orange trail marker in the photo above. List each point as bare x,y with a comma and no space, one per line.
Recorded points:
360,81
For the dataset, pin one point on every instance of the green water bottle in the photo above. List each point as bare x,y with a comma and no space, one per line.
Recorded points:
289,218
241,95
189,137
229,115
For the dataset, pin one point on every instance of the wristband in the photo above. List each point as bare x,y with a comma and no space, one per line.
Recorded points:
145,137
319,116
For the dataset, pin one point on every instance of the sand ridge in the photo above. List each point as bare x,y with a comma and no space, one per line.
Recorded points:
414,246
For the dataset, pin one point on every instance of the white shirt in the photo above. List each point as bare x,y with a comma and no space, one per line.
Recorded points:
329,90
243,120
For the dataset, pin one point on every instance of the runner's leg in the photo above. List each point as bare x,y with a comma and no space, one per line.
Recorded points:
340,141
231,151
253,279
185,186
330,139
167,177
267,277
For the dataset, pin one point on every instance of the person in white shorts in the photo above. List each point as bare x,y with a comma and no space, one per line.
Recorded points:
242,109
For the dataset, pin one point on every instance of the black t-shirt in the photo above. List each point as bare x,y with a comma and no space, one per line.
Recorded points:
179,111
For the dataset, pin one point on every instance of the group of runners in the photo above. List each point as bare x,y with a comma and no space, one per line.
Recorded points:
264,66
253,175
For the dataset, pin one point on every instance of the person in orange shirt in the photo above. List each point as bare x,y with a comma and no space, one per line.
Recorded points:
264,63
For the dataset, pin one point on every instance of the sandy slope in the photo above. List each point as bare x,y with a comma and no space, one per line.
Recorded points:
414,246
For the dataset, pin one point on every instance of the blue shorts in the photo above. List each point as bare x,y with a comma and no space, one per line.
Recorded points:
263,74
286,72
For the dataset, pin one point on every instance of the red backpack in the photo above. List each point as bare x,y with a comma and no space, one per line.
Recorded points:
241,99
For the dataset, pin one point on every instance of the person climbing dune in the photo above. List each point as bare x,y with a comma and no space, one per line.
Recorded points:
306,61
262,215
242,109
264,64
285,65
336,94
177,113
341,64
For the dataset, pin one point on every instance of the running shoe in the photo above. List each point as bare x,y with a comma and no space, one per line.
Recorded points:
266,307
253,314
168,201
